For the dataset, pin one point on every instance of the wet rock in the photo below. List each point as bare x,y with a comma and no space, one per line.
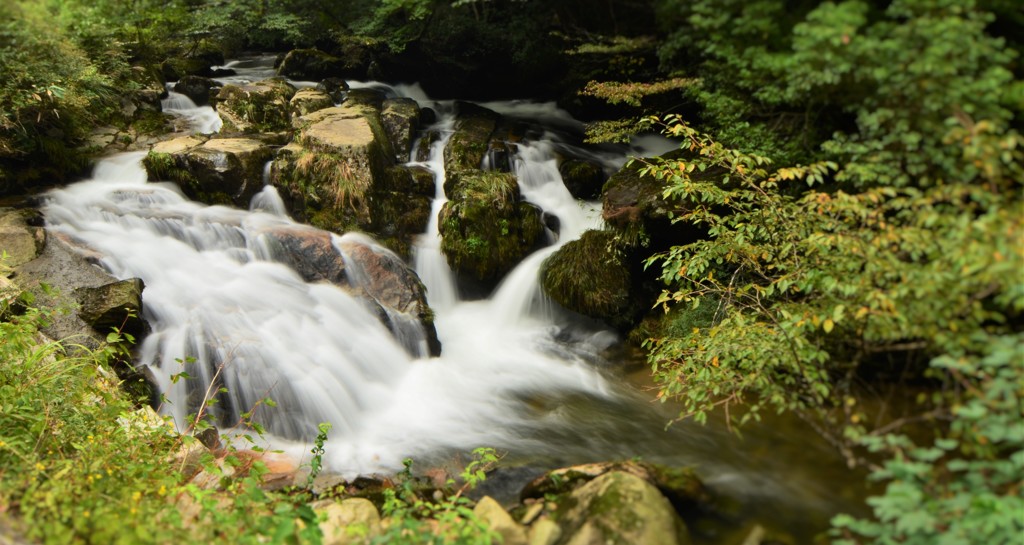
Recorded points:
215,171
485,229
307,101
114,306
374,98
619,507
466,148
401,119
316,65
336,88
583,276
198,88
583,179
497,519
257,107
380,275
391,283
309,252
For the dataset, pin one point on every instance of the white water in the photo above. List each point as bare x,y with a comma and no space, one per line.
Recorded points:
203,119
214,295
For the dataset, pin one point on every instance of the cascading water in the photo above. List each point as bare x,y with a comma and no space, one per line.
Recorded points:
509,376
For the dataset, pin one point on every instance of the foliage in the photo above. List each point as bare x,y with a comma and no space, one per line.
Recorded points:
80,464
449,520
632,93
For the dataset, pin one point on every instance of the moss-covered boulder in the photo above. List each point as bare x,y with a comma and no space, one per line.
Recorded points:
307,101
215,171
587,277
401,119
619,507
582,178
262,106
469,143
485,228
315,65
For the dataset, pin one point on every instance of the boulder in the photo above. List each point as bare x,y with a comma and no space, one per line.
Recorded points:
489,512
468,145
307,101
113,306
363,268
20,242
485,228
316,65
401,119
619,507
633,205
339,174
582,178
544,532
256,107
585,277
198,88
215,171
354,520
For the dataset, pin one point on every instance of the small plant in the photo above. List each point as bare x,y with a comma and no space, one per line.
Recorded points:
449,520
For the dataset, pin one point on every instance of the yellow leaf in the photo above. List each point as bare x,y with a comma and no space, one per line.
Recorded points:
828,325
714,361
862,312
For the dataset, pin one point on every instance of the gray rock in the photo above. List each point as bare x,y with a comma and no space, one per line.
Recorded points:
354,520
113,306
257,107
215,171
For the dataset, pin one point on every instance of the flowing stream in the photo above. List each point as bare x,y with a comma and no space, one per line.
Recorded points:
516,373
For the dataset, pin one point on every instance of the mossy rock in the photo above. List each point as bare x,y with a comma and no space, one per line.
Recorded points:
401,119
584,179
114,306
307,101
485,229
469,143
215,171
588,276
257,107
619,508
316,65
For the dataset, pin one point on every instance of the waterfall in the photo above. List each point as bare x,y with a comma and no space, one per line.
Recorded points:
203,119
430,263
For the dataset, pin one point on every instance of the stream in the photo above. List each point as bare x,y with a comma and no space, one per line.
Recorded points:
516,373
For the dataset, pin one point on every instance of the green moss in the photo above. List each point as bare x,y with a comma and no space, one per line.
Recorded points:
164,167
485,230
586,276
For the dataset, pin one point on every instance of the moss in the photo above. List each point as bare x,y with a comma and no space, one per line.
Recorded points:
589,277
485,230
164,167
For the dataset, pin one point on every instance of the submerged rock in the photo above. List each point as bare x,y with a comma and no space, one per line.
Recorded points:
262,106
364,270
215,171
485,228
